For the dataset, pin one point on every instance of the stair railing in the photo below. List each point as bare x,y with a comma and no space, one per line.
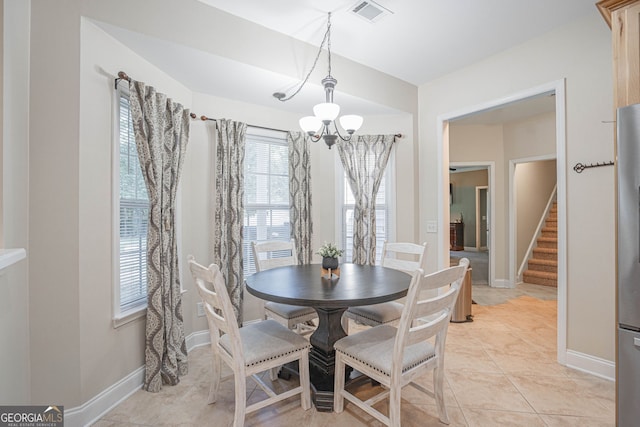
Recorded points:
534,238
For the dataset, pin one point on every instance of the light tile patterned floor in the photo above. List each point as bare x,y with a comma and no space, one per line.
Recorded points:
500,371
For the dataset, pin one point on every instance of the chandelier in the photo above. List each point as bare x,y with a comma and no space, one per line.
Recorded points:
325,114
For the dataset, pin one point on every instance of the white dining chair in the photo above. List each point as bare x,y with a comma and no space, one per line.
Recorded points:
277,253
395,357
249,350
394,255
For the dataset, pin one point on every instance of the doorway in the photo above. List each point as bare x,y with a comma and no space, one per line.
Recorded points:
557,89
470,208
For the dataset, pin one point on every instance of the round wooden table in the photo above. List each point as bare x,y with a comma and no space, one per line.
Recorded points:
305,285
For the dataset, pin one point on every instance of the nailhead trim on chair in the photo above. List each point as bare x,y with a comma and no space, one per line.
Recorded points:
385,373
279,355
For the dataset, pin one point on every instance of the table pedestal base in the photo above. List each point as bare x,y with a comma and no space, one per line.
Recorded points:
322,357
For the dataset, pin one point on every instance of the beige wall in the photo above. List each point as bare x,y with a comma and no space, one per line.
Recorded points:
15,387
534,184
581,54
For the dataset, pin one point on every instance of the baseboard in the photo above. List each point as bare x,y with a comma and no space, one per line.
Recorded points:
91,411
502,283
591,364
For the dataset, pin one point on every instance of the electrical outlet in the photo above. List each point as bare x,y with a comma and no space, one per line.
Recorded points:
200,309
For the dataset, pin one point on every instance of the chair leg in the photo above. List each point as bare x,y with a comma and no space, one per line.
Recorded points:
338,385
303,368
273,373
241,398
394,405
438,389
215,378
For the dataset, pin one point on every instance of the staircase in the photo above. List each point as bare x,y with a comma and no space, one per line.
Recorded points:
543,265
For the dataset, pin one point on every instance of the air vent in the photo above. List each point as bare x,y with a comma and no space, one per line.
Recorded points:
370,10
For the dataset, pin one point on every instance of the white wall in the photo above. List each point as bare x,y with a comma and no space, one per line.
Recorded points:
581,54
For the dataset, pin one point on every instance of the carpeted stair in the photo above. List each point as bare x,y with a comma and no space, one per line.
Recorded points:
543,266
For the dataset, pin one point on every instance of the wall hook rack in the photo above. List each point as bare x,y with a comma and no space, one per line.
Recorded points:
579,167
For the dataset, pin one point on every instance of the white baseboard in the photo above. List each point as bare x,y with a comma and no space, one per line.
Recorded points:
502,283
91,411
591,364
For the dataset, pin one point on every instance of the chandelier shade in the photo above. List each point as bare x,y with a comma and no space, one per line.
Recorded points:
318,126
326,111
351,123
310,124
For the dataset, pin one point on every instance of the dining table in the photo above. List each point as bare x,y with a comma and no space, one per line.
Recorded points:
310,285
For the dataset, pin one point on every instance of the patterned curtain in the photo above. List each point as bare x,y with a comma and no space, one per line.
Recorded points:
161,129
229,215
300,195
364,158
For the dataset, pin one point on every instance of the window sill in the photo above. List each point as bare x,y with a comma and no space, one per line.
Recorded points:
11,256
129,316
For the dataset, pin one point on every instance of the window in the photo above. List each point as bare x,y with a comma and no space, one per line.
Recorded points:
131,213
266,191
384,212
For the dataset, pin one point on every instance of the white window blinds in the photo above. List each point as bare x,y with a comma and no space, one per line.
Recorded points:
133,215
266,191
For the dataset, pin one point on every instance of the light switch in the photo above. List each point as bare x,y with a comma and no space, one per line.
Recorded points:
432,227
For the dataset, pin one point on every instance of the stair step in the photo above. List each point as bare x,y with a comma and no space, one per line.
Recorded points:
545,253
549,231
540,278
547,242
548,265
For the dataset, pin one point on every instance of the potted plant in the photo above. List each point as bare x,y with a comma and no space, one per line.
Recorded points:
329,253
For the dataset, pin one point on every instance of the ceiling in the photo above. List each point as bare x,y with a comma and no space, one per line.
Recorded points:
422,39
419,41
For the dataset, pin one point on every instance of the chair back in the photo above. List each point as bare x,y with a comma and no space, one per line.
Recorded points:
390,252
217,305
274,253
423,318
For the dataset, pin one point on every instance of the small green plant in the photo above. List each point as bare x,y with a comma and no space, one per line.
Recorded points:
329,250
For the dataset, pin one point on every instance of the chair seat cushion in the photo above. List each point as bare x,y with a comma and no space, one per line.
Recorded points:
266,340
379,314
289,311
374,348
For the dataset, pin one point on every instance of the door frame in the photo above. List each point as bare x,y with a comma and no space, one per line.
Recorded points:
479,188
558,87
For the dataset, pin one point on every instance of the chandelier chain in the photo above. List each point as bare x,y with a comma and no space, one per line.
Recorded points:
325,39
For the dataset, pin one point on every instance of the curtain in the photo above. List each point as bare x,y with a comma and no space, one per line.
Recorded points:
300,195
229,210
364,158
161,129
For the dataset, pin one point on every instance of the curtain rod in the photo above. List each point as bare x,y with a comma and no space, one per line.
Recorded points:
123,76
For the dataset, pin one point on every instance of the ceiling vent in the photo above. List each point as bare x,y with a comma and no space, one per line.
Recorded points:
370,11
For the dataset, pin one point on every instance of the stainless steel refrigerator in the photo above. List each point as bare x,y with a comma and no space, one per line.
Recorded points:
628,354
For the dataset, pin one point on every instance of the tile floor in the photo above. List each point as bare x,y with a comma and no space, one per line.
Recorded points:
500,371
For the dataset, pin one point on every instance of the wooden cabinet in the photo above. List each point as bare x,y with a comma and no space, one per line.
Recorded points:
456,236
623,16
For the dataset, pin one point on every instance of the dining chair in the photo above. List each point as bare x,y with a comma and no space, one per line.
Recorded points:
395,357
249,350
277,253
389,312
